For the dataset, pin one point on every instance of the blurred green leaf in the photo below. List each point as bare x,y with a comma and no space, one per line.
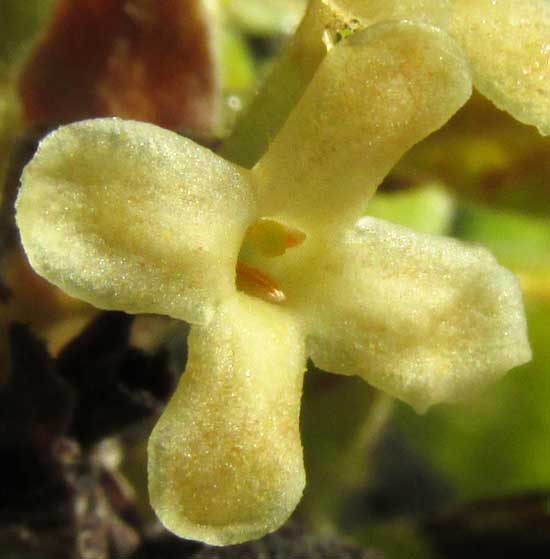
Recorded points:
397,539
265,17
334,415
9,128
238,72
19,22
427,208
520,242
485,155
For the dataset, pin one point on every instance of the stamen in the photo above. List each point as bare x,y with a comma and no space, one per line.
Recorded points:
272,238
254,282
294,238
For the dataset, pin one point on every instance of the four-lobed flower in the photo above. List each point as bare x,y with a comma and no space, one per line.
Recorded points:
506,42
272,266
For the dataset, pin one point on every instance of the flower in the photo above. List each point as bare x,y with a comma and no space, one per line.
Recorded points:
507,43
129,216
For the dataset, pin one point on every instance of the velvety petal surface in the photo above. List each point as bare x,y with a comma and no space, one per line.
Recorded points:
424,318
128,216
225,459
375,94
508,45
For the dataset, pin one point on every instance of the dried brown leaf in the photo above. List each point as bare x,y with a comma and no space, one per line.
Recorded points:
141,59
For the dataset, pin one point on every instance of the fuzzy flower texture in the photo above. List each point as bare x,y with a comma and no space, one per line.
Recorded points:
275,264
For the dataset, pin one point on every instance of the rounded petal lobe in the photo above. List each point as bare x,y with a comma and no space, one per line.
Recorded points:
128,216
225,459
508,45
424,318
376,94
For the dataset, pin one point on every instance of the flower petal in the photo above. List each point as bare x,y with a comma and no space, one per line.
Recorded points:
376,94
225,459
128,216
424,318
508,45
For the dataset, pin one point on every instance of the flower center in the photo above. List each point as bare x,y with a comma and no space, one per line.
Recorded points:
266,238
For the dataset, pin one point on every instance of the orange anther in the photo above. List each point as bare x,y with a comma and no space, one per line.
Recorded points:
252,281
272,238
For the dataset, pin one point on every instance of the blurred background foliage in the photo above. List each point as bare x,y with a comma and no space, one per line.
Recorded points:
483,178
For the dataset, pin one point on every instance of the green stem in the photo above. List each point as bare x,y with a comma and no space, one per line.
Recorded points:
284,86
324,502
380,411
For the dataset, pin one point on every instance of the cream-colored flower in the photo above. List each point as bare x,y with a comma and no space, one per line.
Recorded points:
129,216
507,43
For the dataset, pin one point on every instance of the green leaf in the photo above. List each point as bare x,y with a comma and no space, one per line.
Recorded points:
19,21
265,17
520,242
428,208
486,156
